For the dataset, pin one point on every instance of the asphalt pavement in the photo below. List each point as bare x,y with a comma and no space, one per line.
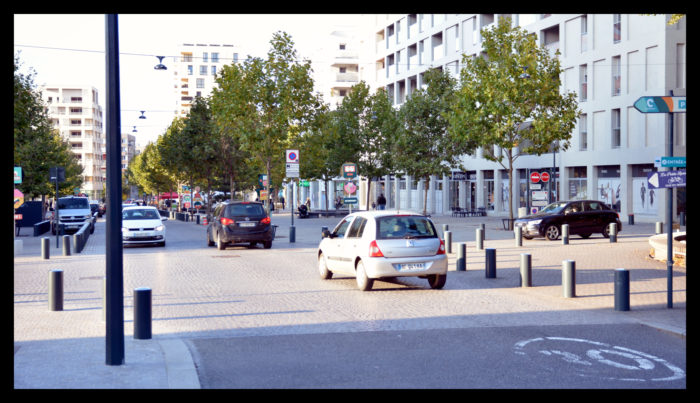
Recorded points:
66,349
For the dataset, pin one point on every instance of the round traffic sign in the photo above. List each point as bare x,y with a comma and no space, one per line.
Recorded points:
535,177
545,176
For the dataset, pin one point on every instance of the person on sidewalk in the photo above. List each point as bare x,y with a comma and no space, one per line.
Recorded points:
381,201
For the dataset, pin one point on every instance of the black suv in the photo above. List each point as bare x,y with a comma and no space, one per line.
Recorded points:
584,218
238,222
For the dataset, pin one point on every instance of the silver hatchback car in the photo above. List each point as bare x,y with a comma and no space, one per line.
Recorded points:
375,244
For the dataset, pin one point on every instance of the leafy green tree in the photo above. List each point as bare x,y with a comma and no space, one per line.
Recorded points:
148,172
37,146
510,101
267,102
424,146
366,125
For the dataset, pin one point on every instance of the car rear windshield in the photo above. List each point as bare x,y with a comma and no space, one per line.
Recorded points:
71,203
247,210
392,227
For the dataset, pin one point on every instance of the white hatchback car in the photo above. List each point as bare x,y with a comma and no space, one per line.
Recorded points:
142,225
374,244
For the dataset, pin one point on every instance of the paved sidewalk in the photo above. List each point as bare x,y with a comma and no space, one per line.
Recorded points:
66,349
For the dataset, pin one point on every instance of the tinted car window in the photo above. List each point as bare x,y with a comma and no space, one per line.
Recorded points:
357,228
594,206
244,210
340,230
392,227
73,203
575,207
141,214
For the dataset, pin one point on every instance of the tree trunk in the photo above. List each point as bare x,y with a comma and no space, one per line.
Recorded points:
426,184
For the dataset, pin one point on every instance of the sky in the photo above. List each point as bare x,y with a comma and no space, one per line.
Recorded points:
68,49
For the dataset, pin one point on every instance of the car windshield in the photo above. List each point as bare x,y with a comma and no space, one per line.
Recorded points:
248,210
140,214
72,204
553,208
392,227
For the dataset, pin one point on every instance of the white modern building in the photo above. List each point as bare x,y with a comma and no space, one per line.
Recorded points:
609,60
75,112
194,70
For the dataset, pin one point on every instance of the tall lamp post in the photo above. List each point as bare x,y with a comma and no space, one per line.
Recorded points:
114,289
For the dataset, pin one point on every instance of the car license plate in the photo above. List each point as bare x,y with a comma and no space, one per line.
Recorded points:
247,224
143,234
410,266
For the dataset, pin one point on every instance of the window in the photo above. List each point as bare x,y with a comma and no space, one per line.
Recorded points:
213,70
341,46
202,70
583,132
189,70
357,227
205,57
214,57
584,33
200,83
583,79
342,69
616,75
235,57
617,28
615,121
339,231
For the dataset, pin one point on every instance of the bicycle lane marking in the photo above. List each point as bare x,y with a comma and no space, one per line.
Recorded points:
593,358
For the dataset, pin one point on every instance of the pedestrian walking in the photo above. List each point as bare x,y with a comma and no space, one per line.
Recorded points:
381,201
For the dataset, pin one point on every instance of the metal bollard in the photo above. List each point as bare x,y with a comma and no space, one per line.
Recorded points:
66,245
142,313
448,242
565,234
76,242
681,218
613,232
45,248
525,270
622,290
518,236
462,256
568,278
630,219
56,290
490,263
479,239
292,234
483,231
659,227
445,228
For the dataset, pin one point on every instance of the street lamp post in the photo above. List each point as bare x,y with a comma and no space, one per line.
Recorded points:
114,290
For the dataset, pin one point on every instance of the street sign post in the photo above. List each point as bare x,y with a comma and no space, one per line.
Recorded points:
670,105
660,104
666,179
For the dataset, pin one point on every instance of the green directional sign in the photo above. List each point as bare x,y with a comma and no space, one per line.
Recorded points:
672,162
660,104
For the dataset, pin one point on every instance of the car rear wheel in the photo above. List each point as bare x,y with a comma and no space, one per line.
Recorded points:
220,244
363,282
552,232
323,269
209,241
437,281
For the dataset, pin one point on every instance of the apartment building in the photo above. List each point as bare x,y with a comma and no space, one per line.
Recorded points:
609,60
195,67
75,112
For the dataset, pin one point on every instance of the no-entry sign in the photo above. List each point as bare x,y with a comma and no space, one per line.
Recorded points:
535,177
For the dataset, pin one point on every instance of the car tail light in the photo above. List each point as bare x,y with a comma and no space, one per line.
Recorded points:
441,248
374,250
265,220
226,221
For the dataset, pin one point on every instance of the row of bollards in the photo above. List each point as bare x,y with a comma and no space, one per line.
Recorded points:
142,303
568,266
